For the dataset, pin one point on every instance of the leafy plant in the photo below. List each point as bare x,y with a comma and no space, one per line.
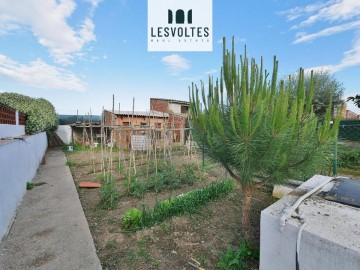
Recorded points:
132,218
236,259
41,115
110,194
257,129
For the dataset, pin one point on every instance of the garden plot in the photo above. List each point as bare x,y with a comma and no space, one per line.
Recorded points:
203,233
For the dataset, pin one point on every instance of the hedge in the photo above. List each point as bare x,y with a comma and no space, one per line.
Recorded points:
41,115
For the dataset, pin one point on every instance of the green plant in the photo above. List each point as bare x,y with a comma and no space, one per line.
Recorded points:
110,194
349,159
111,244
29,185
189,202
70,163
132,219
236,259
257,129
144,254
41,115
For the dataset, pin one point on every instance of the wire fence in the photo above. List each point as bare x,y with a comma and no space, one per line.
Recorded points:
347,147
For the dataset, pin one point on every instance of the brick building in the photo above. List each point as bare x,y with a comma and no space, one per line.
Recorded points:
178,111
347,114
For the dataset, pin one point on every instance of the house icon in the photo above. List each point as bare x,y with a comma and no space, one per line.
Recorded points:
179,16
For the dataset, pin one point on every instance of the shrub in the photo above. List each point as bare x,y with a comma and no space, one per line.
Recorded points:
41,115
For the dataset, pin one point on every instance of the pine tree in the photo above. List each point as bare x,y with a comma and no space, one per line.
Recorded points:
257,129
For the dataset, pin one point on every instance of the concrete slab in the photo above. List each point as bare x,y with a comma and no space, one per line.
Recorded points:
50,230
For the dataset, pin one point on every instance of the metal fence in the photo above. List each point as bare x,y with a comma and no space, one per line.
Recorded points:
347,147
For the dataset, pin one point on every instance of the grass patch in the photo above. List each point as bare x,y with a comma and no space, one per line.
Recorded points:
70,163
111,245
186,203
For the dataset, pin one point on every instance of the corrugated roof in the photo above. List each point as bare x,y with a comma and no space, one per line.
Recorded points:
173,100
150,113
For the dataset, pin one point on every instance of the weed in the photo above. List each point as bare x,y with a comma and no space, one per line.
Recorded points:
110,195
112,221
70,163
29,185
202,260
236,259
155,262
165,228
141,243
110,245
144,254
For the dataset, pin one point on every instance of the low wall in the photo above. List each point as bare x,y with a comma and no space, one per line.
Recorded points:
64,133
7,130
330,241
19,161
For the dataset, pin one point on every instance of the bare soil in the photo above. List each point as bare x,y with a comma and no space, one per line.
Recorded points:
202,235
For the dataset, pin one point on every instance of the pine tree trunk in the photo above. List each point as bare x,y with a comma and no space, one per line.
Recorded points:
246,207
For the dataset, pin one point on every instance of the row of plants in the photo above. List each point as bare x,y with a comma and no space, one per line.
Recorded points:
185,203
166,177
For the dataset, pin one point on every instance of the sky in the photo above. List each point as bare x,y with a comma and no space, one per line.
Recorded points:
77,54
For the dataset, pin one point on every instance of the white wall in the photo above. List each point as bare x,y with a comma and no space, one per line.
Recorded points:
64,132
330,241
11,130
19,161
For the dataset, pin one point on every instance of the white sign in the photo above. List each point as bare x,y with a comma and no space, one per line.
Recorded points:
180,25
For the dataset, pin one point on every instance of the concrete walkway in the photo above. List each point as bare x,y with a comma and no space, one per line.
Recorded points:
50,230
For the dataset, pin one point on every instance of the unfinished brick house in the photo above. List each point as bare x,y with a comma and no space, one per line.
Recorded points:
178,115
165,121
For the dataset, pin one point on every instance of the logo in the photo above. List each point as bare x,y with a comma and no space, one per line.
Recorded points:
180,25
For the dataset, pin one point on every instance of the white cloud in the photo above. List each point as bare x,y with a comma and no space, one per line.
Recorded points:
339,16
297,12
211,71
303,37
191,79
176,63
338,10
237,40
47,20
39,74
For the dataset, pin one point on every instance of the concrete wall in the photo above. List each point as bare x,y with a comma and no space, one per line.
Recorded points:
11,130
19,161
330,241
64,132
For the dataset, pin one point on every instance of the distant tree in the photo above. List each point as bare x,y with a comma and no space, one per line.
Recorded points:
355,99
256,129
327,89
